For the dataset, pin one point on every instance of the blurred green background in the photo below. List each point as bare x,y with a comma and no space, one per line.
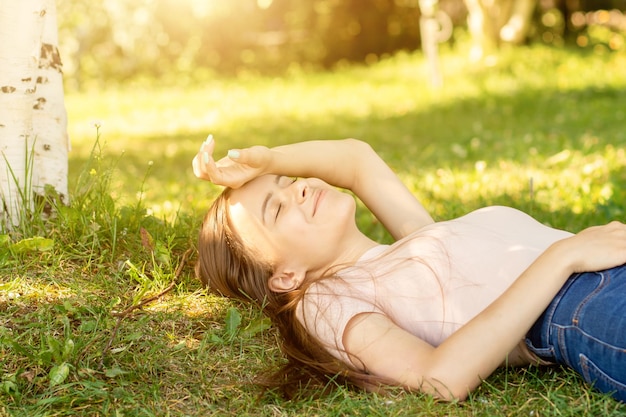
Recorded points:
184,41
158,76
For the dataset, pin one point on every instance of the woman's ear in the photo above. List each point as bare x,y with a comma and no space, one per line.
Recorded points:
285,281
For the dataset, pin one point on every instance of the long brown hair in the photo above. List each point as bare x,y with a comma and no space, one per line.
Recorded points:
230,269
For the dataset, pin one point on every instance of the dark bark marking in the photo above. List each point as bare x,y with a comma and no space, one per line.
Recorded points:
50,57
7,89
49,200
31,90
46,147
42,80
27,80
39,103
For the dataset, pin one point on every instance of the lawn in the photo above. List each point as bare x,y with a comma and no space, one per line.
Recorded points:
542,129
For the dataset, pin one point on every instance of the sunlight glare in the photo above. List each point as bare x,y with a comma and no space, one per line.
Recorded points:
264,4
203,8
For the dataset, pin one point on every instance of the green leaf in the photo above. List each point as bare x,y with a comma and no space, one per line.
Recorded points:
68,307
233,321
45,357
33,244
88,326
213,338
114,372
5,240
58,374
132,337
68,348
256,326
162,253
54,347
9,387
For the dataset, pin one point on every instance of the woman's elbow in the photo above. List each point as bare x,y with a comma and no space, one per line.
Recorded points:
449,395
449,391
359,146
459,396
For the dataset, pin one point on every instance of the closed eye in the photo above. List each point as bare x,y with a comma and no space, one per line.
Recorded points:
280,206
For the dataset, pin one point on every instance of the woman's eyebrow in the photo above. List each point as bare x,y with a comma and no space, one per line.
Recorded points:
267,199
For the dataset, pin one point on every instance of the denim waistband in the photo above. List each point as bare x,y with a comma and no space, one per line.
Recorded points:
538,337
584,328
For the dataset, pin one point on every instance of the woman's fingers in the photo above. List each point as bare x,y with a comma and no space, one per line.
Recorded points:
233,170
256,156
196,164
203,162
206,149
601,247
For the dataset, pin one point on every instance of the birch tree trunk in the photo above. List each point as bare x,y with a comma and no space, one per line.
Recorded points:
49,116
33,131
491,22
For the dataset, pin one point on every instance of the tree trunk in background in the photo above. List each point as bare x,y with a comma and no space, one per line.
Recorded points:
33,134
492,22
49,116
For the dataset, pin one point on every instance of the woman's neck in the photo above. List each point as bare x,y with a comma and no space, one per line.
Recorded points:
354,246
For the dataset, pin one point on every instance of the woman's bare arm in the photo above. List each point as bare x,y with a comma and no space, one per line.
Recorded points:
456,367
348,163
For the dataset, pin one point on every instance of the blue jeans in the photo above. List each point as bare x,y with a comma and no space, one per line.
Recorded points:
584,328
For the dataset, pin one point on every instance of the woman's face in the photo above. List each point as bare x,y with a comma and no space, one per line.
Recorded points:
304,224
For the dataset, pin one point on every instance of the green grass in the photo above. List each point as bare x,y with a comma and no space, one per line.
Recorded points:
555,116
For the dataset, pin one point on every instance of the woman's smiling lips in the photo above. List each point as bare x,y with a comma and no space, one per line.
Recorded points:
318,196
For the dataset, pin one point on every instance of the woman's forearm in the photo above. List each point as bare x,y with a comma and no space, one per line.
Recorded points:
354,165
334,161
479,347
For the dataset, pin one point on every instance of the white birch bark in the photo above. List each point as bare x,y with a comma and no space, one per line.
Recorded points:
481,29
516,28
491,22
32,112
51,142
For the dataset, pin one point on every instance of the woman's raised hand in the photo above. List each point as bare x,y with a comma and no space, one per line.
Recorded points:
235,169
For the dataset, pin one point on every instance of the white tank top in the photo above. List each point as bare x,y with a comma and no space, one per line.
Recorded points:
431,282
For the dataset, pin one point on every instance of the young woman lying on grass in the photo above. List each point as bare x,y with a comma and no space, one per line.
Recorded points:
438,310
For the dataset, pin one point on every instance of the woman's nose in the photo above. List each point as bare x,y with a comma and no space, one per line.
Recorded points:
301,190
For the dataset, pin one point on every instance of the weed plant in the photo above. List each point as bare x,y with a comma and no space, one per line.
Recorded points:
100,314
